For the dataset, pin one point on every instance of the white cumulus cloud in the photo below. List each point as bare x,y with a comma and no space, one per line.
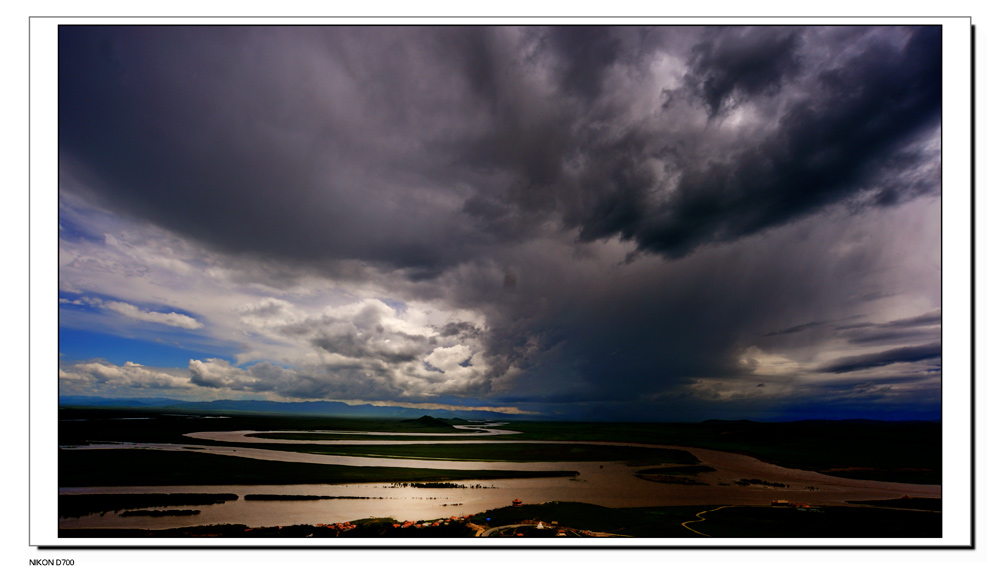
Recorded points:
129,374
169,319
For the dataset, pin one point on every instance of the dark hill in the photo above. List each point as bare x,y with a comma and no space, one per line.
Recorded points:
428,421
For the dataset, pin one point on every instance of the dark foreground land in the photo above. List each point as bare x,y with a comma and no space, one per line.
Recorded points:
583,520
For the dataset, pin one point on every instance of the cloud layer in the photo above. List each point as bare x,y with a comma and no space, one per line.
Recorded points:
638,221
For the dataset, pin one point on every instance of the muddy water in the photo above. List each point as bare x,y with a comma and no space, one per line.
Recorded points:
607,484
336,459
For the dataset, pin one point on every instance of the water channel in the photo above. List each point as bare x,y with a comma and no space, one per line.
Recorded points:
610,484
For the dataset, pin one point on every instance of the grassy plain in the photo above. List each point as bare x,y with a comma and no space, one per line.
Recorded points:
85,468
80,505
887,451
94,425
264,437
903,452
908,452
513,452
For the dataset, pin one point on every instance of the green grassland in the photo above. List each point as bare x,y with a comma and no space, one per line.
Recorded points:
423,425
513,452
80,505
94,425
872,450
84,468
888,451
675,475
326,436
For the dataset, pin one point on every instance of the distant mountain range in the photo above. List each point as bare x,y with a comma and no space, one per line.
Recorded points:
268,407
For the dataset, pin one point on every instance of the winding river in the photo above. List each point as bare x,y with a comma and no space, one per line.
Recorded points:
610,484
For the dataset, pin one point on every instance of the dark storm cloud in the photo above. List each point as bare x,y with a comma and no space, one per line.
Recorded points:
846,385
737,64
455,164
893,336
264,141
825,150
907,330
796,329
923,320
584,52
645,328
322,144
914,329
884,358
850,129
353,346
463,329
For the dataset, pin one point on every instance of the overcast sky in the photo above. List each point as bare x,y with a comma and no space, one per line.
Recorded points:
665,223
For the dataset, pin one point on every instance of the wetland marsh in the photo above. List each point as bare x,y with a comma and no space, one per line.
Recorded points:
359,476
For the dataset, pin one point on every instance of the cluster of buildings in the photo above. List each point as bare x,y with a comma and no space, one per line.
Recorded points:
437,523
338,526
793,505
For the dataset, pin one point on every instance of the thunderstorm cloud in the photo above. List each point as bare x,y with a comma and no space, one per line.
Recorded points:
629,222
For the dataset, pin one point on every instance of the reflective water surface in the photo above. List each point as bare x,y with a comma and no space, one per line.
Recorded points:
610,484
